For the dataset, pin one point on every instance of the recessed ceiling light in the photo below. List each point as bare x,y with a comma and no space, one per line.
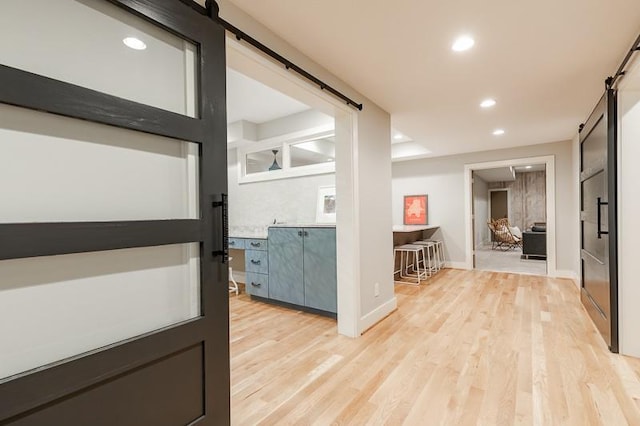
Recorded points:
463,43
134,43
488,103
498,132
398,136
529,167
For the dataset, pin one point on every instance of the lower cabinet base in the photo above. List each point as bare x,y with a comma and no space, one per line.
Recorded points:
296,307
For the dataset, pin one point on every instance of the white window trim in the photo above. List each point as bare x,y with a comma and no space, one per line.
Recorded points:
283,143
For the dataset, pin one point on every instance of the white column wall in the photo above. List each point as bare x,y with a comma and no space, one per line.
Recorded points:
629,213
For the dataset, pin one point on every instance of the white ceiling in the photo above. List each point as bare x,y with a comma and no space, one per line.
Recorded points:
502,174
251,100
507,174
531,168
544,61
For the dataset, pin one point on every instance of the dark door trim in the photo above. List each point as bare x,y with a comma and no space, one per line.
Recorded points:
27,396
612,207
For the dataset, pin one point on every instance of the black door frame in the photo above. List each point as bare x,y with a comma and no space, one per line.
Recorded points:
30,393
607,109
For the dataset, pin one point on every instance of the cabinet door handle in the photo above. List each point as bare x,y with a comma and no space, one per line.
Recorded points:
299,233
255,244
232,243
600,231
306,234
256,262
256,284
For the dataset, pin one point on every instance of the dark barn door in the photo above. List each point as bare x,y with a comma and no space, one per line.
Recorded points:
113,175
598,219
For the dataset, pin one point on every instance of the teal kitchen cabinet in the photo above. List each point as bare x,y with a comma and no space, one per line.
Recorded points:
320,270
302,266
286,282
256,266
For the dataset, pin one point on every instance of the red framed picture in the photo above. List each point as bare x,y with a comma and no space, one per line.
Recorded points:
415,209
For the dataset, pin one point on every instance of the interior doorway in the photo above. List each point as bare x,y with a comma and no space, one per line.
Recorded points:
303,148
511,216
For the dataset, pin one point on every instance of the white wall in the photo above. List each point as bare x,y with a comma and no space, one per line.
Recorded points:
363,183
481,210
628,213
442,179
285,200
293,123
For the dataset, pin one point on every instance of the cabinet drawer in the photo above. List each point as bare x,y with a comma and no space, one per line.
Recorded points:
256,244
236,243
256,261
257,284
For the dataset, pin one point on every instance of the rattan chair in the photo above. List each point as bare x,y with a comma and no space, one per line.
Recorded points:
503,238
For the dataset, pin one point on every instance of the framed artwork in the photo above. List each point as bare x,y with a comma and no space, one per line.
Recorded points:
415,209
326,207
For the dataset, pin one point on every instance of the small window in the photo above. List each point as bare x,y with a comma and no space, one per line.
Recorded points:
316,151
311,155
264,161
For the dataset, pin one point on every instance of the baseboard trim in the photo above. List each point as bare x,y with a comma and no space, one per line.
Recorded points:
378,314
456,265
570,275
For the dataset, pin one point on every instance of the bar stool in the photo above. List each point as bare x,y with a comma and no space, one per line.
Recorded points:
233,287
410,252
431,260
439,252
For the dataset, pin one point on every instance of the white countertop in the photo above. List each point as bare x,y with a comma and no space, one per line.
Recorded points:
261,232
303,225
413,228
257,232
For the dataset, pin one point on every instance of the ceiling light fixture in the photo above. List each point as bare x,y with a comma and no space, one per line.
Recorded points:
463,43
528,167
398,136
134,43
488,103
275,165
498,132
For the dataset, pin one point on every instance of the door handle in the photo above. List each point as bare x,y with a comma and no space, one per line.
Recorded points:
299,233
222,204
256,284
600,231
255,262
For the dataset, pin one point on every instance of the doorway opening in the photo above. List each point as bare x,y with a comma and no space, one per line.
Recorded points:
511,216
289,155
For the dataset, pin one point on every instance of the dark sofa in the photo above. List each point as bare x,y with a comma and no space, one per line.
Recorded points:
534,242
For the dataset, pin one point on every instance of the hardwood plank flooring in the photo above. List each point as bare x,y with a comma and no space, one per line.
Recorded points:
465,348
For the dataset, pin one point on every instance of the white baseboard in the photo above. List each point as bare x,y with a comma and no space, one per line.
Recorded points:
378,314
456,265
571,275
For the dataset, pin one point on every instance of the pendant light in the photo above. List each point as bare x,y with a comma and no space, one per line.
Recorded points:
275,165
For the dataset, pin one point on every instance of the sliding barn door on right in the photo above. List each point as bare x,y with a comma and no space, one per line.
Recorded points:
598,256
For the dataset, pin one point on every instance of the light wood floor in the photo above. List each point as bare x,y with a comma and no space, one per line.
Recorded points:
467,347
